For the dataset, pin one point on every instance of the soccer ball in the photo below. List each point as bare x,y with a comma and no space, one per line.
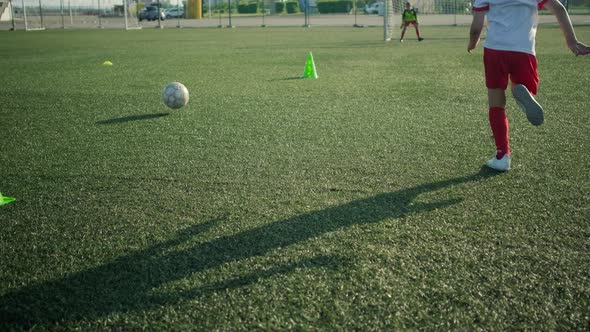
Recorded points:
175,95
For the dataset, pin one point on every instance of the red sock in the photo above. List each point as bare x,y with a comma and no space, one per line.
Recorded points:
499,124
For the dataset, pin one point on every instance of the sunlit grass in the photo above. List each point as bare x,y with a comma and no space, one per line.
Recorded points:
356,201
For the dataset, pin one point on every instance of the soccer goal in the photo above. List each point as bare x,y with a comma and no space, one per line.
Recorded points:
435,12
130,9
33,15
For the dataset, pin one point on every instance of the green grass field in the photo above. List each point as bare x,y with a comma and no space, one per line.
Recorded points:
356,201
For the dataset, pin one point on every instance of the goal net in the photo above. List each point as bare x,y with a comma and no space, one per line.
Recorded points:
131,9
437,12
32,13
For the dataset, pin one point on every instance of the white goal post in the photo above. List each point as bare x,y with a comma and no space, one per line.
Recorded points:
34,17
388,19
131,21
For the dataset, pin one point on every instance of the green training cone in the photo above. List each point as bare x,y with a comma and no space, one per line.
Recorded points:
310,68
5,200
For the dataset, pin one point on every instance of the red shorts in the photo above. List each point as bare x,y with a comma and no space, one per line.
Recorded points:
519,67
410,22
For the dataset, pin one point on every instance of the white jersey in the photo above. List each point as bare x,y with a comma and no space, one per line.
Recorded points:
512,24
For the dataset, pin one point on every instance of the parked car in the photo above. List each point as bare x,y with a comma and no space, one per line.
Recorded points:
174,13
150,13
376,8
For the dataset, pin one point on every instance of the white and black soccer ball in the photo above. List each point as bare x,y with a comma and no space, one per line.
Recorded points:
175,95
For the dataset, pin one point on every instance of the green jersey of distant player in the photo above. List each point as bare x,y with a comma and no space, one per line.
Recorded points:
410,15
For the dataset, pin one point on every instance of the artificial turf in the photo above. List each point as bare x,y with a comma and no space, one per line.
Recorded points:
355,201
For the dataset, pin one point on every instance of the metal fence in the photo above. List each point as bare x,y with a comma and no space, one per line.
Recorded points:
64,14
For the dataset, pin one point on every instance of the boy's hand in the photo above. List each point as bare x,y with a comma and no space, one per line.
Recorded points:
579,48
472,45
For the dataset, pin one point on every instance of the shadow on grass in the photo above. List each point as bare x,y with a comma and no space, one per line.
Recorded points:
132,118
130,283
288,79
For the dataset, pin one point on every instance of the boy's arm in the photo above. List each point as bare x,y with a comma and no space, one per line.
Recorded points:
402,25
557,9
476,28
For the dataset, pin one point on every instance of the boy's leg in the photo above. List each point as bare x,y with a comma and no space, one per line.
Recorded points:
403,33
499,121
497,81
523,74
418,31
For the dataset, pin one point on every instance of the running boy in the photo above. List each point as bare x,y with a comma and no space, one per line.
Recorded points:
410,16
509,53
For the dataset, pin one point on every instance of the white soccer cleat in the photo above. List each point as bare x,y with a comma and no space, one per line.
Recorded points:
528,104
501,165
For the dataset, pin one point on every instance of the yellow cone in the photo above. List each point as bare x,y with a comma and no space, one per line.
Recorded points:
107,63
310,71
